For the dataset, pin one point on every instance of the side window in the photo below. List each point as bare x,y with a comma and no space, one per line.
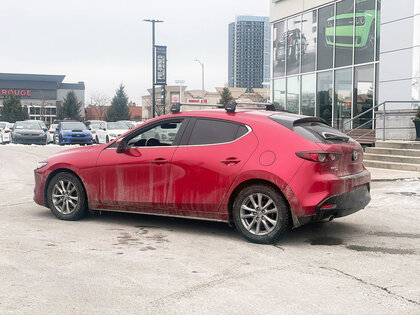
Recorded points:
211,131
160,135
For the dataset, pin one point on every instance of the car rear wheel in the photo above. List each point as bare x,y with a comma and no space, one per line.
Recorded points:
261,214
67,197
107,139
97,140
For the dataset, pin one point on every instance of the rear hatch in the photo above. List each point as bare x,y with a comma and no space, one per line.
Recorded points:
329,139
349,152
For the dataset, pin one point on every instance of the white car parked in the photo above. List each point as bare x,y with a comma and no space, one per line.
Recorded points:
5,132
108,131
50,134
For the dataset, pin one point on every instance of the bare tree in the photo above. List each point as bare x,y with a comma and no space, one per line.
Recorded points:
99,103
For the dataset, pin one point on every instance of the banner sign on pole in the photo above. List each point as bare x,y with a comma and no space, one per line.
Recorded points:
160,65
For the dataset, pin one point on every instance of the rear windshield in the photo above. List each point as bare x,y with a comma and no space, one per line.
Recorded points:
312,129
117,125
319,132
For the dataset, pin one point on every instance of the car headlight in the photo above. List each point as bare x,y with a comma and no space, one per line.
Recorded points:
41,165
360,20
112,135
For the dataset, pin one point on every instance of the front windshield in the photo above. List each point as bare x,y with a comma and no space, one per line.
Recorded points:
117,125
28,125
73,126
95,126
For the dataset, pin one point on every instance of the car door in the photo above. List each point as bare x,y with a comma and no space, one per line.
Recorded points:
138,178
206,164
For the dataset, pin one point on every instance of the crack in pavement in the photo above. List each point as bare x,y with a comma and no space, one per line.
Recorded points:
372,285
205,285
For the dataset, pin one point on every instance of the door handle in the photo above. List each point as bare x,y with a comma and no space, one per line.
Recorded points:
230,161
159,161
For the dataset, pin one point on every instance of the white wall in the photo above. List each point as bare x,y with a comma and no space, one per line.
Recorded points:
285,8
399,56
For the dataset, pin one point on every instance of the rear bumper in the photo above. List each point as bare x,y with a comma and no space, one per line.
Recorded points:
340,205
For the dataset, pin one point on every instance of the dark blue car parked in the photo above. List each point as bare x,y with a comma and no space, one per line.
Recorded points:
73,132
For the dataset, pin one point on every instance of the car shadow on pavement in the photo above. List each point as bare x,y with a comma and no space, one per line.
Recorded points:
318,233
324,233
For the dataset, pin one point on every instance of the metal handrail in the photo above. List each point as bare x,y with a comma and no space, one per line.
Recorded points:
373,119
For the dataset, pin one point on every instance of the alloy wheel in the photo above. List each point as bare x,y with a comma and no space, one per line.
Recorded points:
65,197
259,214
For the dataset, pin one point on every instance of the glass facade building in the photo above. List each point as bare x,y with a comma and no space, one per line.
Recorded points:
325,62
249,52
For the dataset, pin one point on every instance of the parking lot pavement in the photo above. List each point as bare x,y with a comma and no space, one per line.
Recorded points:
368,262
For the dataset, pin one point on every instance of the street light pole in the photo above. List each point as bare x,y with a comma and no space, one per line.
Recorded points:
180,82
153,65
202,78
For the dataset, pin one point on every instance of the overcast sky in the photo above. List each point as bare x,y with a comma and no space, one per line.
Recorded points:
105,43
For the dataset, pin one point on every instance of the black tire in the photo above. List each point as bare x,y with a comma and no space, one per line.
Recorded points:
107,139
265,217
81,207
97,140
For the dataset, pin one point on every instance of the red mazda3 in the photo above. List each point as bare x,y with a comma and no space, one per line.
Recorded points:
261,171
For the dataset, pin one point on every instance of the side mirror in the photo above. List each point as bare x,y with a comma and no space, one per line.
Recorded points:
121,145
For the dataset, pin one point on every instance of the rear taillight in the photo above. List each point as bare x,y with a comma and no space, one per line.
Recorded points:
51,131
320,157
6,131
93,131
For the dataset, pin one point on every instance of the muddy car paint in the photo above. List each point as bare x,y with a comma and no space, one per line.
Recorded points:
192,182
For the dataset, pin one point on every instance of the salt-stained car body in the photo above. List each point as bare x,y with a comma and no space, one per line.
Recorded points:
262,171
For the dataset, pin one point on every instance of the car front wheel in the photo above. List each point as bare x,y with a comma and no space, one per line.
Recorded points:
261,214
67,197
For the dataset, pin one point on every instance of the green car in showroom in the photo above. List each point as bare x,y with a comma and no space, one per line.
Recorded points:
364,36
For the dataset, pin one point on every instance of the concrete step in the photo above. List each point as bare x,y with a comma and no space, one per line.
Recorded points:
391,151
392,158
413,145
392,165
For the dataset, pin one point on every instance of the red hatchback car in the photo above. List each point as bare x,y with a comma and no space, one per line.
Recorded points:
261,171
